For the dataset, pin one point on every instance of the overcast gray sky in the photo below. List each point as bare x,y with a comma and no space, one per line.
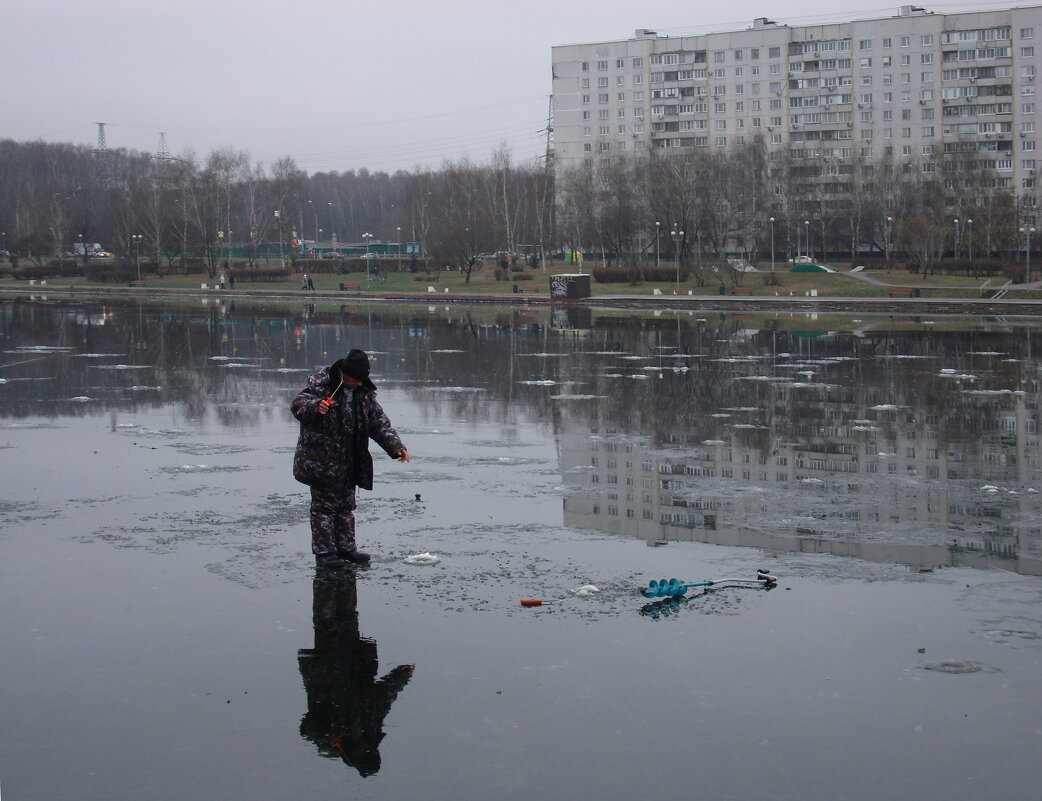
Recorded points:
337,84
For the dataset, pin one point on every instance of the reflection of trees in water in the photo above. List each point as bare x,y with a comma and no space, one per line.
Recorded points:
727,363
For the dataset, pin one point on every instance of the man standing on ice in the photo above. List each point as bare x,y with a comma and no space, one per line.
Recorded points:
339,414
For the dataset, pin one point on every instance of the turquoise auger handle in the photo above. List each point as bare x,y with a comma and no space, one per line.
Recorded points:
673,588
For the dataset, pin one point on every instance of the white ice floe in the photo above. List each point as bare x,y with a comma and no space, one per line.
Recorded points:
81,399
545,383
883,407
422,559
714,442
585,591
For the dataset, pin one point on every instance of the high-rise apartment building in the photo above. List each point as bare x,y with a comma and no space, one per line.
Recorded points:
910,87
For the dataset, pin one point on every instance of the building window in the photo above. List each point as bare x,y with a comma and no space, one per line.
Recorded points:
602,65
638,62
865,44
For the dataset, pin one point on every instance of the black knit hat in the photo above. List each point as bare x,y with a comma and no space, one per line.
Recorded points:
356,365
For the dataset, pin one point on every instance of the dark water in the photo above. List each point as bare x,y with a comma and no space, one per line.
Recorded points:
165,634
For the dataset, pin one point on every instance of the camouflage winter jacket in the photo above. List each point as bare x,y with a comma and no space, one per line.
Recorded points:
333,449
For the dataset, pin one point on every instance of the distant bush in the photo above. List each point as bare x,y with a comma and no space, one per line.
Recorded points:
625,275
36,272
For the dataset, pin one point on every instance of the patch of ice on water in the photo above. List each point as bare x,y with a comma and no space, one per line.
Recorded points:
578,397
424,558
884,407
40,349
81,399
122,366
136,388
543,383
714,442
448,350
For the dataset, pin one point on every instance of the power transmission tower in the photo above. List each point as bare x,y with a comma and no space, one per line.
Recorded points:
102,146
163,152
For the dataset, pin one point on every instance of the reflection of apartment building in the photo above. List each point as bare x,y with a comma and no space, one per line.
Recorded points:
918,85
892,488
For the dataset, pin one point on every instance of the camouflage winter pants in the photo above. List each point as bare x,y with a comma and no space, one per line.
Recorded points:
332,520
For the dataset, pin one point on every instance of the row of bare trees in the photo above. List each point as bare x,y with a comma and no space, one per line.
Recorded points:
704,206
58,199
696,206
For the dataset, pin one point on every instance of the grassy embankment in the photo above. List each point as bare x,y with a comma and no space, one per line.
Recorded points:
483,282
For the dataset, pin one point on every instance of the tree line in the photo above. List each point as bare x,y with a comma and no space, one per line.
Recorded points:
696,208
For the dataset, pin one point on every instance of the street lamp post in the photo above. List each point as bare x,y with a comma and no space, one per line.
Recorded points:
772,245
282,253
368,238
889,238
1027,240
399,229
955,222
136,239
658,225
678,237
806,230
969,241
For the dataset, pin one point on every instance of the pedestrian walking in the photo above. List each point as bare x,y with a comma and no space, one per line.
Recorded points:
339,414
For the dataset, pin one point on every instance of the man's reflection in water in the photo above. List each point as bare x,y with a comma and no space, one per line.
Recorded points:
347,703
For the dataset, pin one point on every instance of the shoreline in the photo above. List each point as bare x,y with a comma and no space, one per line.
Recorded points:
903,305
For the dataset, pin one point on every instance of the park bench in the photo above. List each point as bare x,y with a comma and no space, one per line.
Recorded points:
902,292
522,289
741,290
349,287
136,282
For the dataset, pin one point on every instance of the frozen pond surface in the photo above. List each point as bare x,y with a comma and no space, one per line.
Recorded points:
165,634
